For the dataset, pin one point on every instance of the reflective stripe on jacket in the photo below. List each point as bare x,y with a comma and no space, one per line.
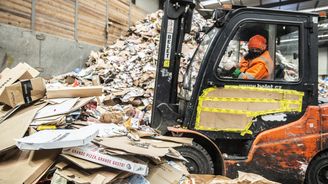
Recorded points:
258,68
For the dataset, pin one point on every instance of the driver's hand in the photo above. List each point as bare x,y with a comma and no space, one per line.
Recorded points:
236,73
223,72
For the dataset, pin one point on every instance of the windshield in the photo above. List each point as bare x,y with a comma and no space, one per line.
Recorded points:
194,65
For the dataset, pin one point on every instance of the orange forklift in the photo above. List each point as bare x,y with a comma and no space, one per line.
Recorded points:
275,128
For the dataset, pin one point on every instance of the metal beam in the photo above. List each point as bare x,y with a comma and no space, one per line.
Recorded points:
316,4
282,3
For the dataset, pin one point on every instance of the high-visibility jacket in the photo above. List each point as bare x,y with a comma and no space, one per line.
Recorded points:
257,68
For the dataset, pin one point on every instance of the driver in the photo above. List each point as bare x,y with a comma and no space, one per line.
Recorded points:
257,63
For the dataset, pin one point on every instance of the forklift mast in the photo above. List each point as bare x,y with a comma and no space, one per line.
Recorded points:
176,22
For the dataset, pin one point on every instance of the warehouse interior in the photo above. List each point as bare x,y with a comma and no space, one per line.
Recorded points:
164,91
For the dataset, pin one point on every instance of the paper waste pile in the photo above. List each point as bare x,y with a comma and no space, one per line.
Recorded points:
90,126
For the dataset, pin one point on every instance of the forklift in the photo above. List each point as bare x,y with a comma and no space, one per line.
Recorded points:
275,128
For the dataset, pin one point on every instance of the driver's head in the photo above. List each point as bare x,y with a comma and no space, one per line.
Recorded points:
256,46
257,43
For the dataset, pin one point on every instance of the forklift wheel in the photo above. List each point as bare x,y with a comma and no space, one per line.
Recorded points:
199,161
318,170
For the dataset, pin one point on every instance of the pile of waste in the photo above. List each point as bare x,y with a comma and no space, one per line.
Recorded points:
91,125
323,88
127,69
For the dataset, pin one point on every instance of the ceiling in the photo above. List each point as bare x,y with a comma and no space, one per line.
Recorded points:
294,5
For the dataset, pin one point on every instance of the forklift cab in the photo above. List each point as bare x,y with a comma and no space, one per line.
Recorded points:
234,112
269,127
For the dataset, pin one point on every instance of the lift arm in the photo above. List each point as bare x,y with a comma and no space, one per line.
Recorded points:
175,23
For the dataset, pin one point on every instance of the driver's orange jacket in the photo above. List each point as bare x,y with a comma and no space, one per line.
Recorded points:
258,68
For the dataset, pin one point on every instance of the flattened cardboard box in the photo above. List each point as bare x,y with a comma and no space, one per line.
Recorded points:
70,92
91,153
23,92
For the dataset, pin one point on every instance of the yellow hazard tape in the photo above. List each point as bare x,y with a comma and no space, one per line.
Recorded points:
285,106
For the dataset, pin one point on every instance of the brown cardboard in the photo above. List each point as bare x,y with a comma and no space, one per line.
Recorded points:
84,164
243,177
159,143
164,174
23,92
207,179
82,102
16,126
20,71
246,106
220,120
71,92
182,140
26,166
224,120
242,93
6,113
123,143
78,175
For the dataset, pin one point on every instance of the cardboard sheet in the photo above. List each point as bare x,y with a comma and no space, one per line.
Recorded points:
207,179
23,92
159,143
53,120
243,177
233,108
71,92
81,102
16,126
5,114
78,175
224,120
182,140
241,93
84,164
164,174
26,166
123,143
57,109
53,139
91,153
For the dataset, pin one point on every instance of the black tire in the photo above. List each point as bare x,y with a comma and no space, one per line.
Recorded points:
317,172
200,162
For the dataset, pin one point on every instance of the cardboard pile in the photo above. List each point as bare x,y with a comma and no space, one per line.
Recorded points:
323,89
63,134
127,69
35,133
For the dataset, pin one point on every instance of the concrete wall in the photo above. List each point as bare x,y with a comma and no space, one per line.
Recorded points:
49,54
148,5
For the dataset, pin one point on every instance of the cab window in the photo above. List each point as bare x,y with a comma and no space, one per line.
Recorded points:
262,52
